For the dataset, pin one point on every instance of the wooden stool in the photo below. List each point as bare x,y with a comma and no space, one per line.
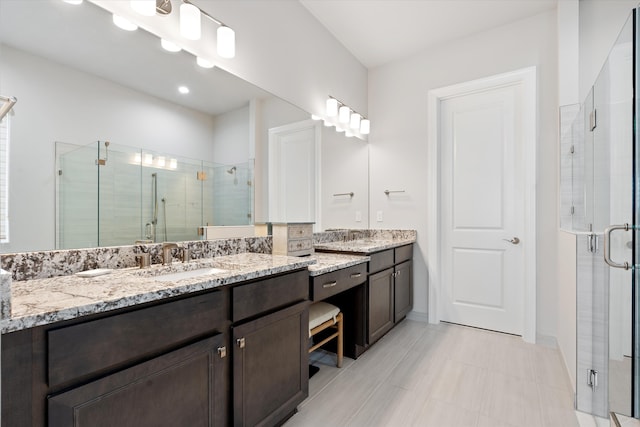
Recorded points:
323,315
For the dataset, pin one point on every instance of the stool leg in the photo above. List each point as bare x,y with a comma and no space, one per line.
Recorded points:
340,348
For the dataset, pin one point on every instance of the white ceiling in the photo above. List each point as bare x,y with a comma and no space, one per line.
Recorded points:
380,31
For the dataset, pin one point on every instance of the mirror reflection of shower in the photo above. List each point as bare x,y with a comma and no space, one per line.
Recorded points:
232,171
150,228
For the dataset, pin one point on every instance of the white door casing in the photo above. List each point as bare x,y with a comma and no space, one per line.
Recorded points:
481,191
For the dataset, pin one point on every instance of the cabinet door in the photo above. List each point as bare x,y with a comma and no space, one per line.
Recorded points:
270,366
403,290
381,307
186,387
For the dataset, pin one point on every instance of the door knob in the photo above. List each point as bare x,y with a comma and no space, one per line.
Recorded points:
513,241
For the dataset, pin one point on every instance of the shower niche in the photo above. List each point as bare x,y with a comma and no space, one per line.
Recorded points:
109,195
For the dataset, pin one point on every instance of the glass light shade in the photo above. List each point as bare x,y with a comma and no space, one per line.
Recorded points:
76,2
226,42
173,164
144,7
343,114
124,24
355,121
204,63
314,117
339,129
332,107
148,159
328,123
137,158
365,126
169,46
190,22
161,161
348,134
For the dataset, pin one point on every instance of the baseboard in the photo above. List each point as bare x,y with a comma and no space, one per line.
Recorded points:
418,316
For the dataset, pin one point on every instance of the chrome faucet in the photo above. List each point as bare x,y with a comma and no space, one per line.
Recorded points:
166,252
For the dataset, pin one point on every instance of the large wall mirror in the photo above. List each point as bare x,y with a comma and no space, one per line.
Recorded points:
105,150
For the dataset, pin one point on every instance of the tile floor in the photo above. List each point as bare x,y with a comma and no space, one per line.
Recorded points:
441,376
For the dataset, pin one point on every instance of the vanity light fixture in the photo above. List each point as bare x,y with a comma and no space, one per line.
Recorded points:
343,114
355,121
144,7
365,126
190,21
332,107
204,63
190,27
123,23
169,46
345,118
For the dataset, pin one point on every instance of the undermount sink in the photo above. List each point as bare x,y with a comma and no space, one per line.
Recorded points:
189,274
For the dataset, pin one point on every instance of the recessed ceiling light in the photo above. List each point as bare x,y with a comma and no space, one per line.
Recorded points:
183,90
124,24
204,63
169,46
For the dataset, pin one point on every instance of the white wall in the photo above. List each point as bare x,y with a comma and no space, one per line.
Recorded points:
94,109
600,24
398,142
232,126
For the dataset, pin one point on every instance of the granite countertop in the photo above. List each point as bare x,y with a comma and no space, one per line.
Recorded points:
43,301
328,262
364,246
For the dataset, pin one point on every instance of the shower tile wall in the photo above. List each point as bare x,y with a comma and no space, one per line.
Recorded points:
233,193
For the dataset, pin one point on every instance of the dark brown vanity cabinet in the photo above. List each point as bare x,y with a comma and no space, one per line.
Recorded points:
270,339
234,355
390,290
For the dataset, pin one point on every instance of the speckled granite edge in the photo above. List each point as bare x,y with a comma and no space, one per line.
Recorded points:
369,241
328,262
5,294
44,264
68,297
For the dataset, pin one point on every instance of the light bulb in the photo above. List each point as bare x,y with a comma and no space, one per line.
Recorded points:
226,42
124,24
365,126
190,22
204,63
169,46
355,121
343,114
144,7
332,107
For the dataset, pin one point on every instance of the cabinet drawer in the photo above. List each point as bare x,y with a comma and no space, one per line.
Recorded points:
381,260
85,349
300,245
329,284
403,253
300,231
266,295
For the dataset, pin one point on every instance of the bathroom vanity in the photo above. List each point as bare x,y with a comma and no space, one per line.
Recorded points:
219,340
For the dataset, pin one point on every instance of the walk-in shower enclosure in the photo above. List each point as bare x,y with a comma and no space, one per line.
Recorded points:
110,194
600,203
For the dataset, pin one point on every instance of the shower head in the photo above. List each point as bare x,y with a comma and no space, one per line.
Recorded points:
232,170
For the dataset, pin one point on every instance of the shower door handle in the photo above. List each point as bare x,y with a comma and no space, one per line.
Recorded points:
607,246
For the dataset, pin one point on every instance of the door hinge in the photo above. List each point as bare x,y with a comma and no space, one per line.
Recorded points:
593,120
59,172
592,243
573,210
592,378
240,342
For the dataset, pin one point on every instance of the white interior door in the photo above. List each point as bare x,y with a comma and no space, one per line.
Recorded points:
293,160
482,209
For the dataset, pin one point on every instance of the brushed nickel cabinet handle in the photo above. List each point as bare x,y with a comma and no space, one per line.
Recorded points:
356,275
330,284
222,352
240,342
